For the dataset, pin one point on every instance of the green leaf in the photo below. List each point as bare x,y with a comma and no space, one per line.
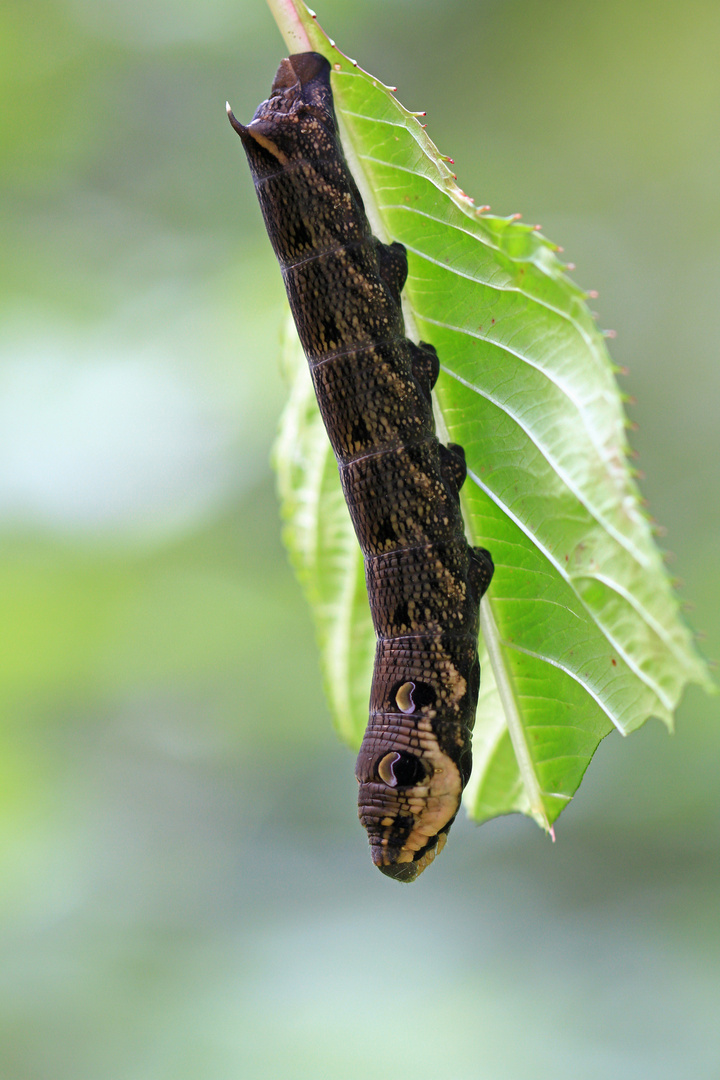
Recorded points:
581,627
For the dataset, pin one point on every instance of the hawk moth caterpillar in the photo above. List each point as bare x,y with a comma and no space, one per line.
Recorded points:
401,485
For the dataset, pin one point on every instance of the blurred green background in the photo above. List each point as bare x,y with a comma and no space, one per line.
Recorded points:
185,888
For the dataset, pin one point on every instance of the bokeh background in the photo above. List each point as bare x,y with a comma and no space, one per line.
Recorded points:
185,890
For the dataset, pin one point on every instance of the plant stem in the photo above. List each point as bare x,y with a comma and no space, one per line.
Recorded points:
289,25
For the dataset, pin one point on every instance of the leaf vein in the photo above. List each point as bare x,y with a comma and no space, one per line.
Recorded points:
643,676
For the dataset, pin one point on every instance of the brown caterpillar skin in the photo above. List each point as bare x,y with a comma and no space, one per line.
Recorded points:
401,485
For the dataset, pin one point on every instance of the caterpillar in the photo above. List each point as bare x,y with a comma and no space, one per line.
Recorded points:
401,484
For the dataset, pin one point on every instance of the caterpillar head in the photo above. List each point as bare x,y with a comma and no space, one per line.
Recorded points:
410,788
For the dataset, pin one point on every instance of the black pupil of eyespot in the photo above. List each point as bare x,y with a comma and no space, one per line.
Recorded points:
423,694
408,770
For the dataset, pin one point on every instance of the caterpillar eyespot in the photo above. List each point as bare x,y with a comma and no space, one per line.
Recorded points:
401,769
374,387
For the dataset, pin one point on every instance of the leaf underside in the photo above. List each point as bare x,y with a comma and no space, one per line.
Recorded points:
581,620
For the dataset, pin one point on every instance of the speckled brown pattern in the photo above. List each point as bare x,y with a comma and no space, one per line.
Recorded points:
373,386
